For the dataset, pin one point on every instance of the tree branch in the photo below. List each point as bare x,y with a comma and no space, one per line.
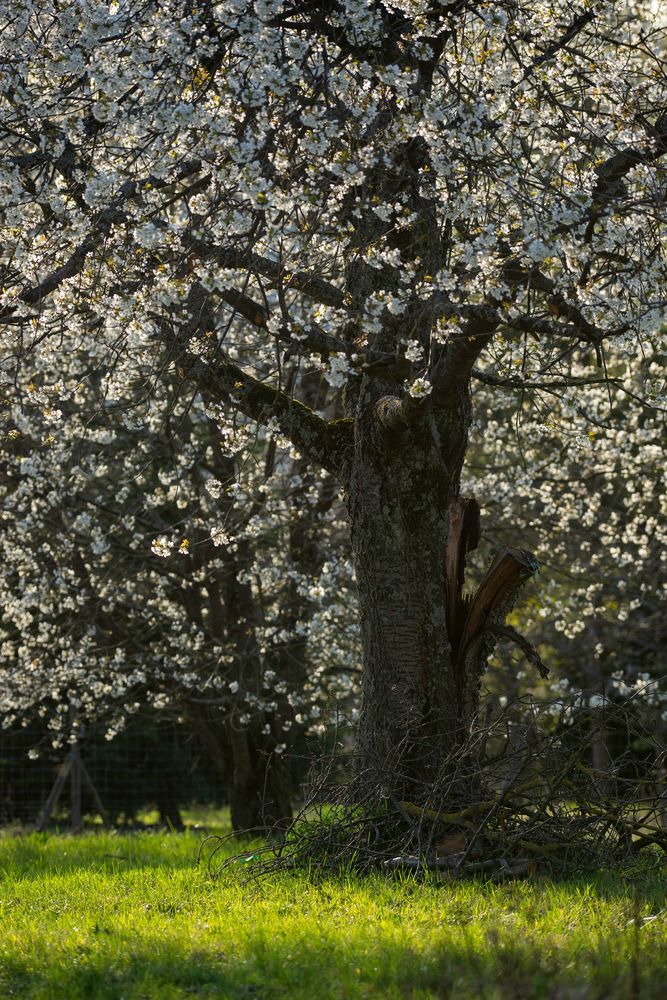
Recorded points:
377,364
112,215
520,383
303,281
506,631
461,353
577,25
322,442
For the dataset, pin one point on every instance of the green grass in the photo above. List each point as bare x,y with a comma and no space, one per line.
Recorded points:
131,916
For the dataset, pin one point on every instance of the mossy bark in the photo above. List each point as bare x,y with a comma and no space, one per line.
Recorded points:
425,644
401,487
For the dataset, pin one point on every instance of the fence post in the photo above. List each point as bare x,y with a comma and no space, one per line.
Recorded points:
76,818
54,794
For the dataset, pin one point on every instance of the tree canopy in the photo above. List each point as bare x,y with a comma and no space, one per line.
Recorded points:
427,203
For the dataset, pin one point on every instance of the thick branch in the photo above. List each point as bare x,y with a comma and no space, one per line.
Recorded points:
494,597
377,364
621,163
481,616
610,176
461,353
322,442
515,273
577,25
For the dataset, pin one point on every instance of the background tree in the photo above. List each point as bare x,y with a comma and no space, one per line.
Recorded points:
585,480
135,577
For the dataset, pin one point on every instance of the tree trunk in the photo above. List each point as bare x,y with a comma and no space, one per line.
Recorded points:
261,794
601,757
168,807
257,782
425,644
410,718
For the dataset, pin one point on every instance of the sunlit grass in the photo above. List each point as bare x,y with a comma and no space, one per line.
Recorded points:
110,916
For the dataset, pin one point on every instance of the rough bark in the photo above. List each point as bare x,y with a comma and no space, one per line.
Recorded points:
425,644
399,498
409,715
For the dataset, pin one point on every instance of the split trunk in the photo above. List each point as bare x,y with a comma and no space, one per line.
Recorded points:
425,643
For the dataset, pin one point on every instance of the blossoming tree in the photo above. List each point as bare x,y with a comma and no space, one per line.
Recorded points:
186,571
585,479
401,192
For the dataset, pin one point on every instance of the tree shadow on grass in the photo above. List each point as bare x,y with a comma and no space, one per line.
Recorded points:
465,960
281,975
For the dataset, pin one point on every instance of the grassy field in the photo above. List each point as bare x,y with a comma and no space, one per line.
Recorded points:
132,916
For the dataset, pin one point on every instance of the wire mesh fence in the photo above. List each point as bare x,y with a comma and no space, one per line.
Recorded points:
152,766
532,784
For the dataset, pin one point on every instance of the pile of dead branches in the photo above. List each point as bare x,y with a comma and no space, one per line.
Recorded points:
542,803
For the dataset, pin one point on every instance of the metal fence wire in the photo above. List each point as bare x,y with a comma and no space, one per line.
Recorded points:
152,765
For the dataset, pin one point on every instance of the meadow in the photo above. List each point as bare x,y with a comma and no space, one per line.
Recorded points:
132,915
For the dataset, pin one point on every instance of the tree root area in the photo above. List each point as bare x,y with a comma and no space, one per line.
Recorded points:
528,830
